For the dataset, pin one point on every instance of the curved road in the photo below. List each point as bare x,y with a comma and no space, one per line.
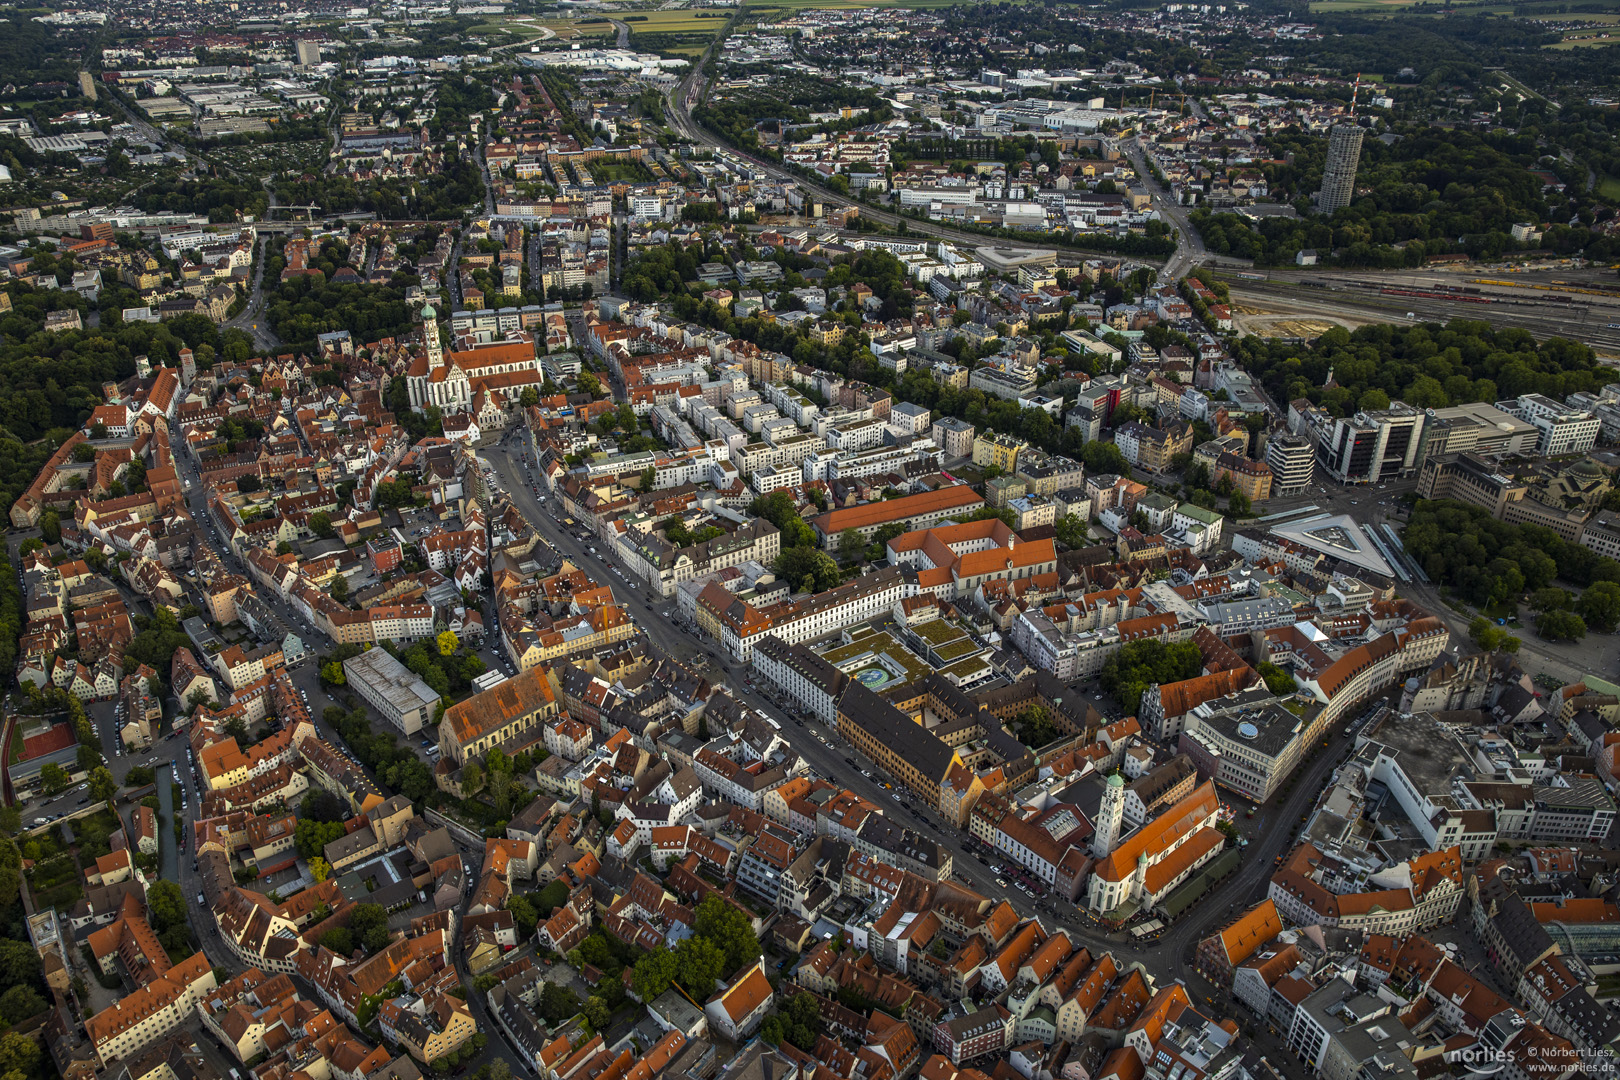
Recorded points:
690,89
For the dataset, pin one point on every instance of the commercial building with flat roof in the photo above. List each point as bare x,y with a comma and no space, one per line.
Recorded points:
392,689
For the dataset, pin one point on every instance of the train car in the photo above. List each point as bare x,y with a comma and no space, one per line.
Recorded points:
1428,294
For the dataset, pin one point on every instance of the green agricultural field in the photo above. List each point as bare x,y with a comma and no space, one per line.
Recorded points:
675,22
1361,7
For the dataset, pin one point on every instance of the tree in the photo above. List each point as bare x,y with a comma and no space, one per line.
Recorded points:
851,543
340,939
18,1054
1034,726
807,570
726,926
321,805
311,837
588,384
1560,626
87,758
1599,605
801,1017
102,785
319,869
500,1070
19,963
597,1013
369,924
50,527
320,523
448,643
20,1003
550,898
332,674
779,509
1072,531
1135,667
701,964
472,778
1490,637
649,477
167,905
653,973
557,1003
53,779
524,914
340,588
1551,599
1278,681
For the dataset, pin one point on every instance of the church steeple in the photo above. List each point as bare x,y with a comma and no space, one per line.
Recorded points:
430,337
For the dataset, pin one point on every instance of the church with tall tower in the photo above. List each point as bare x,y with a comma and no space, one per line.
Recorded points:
464,380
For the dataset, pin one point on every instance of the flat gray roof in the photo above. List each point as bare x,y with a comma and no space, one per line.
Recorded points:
390,680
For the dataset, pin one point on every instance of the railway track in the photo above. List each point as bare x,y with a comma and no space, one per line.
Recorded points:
1542,315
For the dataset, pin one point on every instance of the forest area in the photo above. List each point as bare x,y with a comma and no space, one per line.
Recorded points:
301,308
1422,365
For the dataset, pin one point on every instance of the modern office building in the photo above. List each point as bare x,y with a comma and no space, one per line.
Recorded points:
1371,447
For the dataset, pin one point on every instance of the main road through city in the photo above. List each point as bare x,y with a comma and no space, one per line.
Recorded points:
1269,832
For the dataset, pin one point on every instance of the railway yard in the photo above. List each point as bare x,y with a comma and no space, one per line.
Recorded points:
1576,302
